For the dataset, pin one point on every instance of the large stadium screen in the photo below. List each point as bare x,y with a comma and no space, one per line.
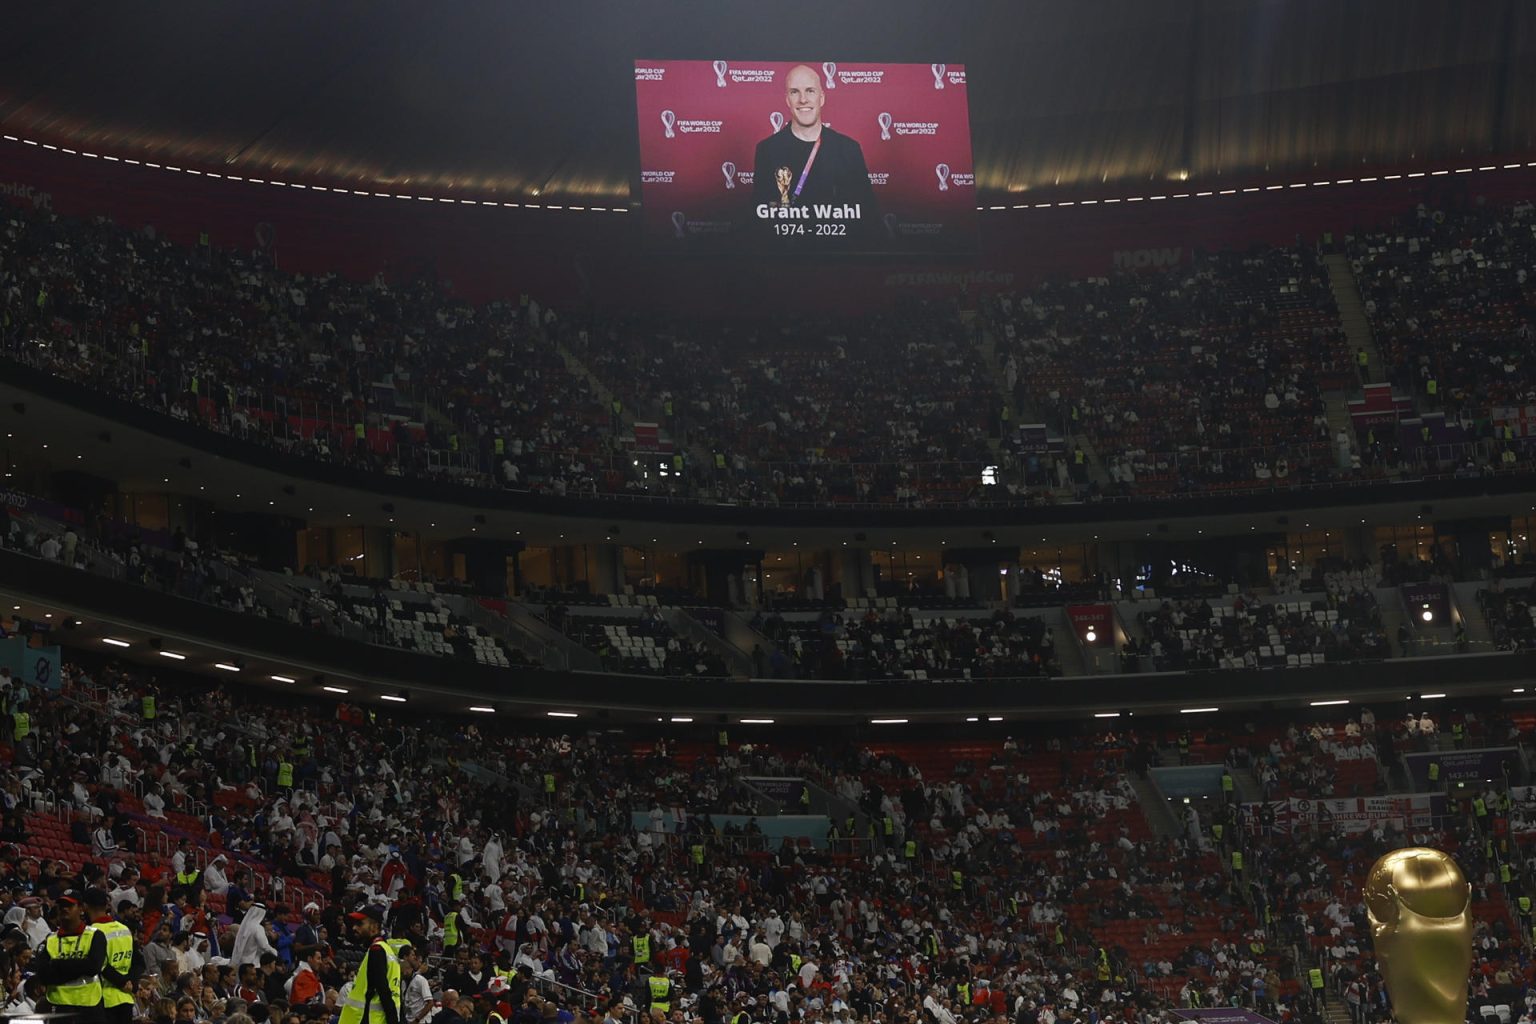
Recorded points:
825,156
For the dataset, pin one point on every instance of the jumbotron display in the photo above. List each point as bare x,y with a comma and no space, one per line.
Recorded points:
824,156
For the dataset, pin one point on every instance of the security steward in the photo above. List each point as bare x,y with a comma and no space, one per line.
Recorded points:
70,962
123,959
451,931
660,991
375,994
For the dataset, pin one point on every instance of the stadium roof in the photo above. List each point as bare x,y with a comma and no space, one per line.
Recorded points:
516,99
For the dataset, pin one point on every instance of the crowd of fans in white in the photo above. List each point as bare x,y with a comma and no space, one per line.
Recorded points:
1207,377
983,916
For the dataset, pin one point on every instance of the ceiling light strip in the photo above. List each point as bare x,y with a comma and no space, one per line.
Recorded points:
299,185
624,209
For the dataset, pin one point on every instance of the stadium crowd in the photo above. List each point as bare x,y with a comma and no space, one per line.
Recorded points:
561,875
547,878
893,644
1447,292
1209,378
572,877
1249,633
1323,615
1202,378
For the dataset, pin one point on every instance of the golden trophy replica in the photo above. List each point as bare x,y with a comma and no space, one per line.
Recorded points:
1420,907
782,178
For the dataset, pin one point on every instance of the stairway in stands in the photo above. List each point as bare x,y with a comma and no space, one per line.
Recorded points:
1473,618
1154,808
1336,409
1346,294
1391,606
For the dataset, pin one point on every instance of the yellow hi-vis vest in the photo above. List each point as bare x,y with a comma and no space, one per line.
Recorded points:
285,775
642,947
119,958
23,725
451,930
147,707
661,993
84,991
359,999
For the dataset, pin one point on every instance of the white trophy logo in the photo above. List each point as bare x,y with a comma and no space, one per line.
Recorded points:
668,119
829,72
938,75
885,125
720,67
777,120
679,223
942,170
890,225
729,170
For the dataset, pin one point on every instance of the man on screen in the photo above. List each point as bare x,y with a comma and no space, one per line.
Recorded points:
808,166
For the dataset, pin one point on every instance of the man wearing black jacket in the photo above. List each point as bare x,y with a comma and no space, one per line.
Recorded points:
805,167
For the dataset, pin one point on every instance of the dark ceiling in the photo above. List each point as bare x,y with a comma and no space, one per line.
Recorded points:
505,98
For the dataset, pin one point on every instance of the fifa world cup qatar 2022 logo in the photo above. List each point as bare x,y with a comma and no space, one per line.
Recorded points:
729,170
941,171
720,67
669,123
938,74
829,74
884,120
679,224
777,120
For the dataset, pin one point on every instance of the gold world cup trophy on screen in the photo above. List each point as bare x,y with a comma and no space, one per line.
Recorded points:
1420,906
783,177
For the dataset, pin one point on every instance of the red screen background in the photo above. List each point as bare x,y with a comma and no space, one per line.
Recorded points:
700,122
